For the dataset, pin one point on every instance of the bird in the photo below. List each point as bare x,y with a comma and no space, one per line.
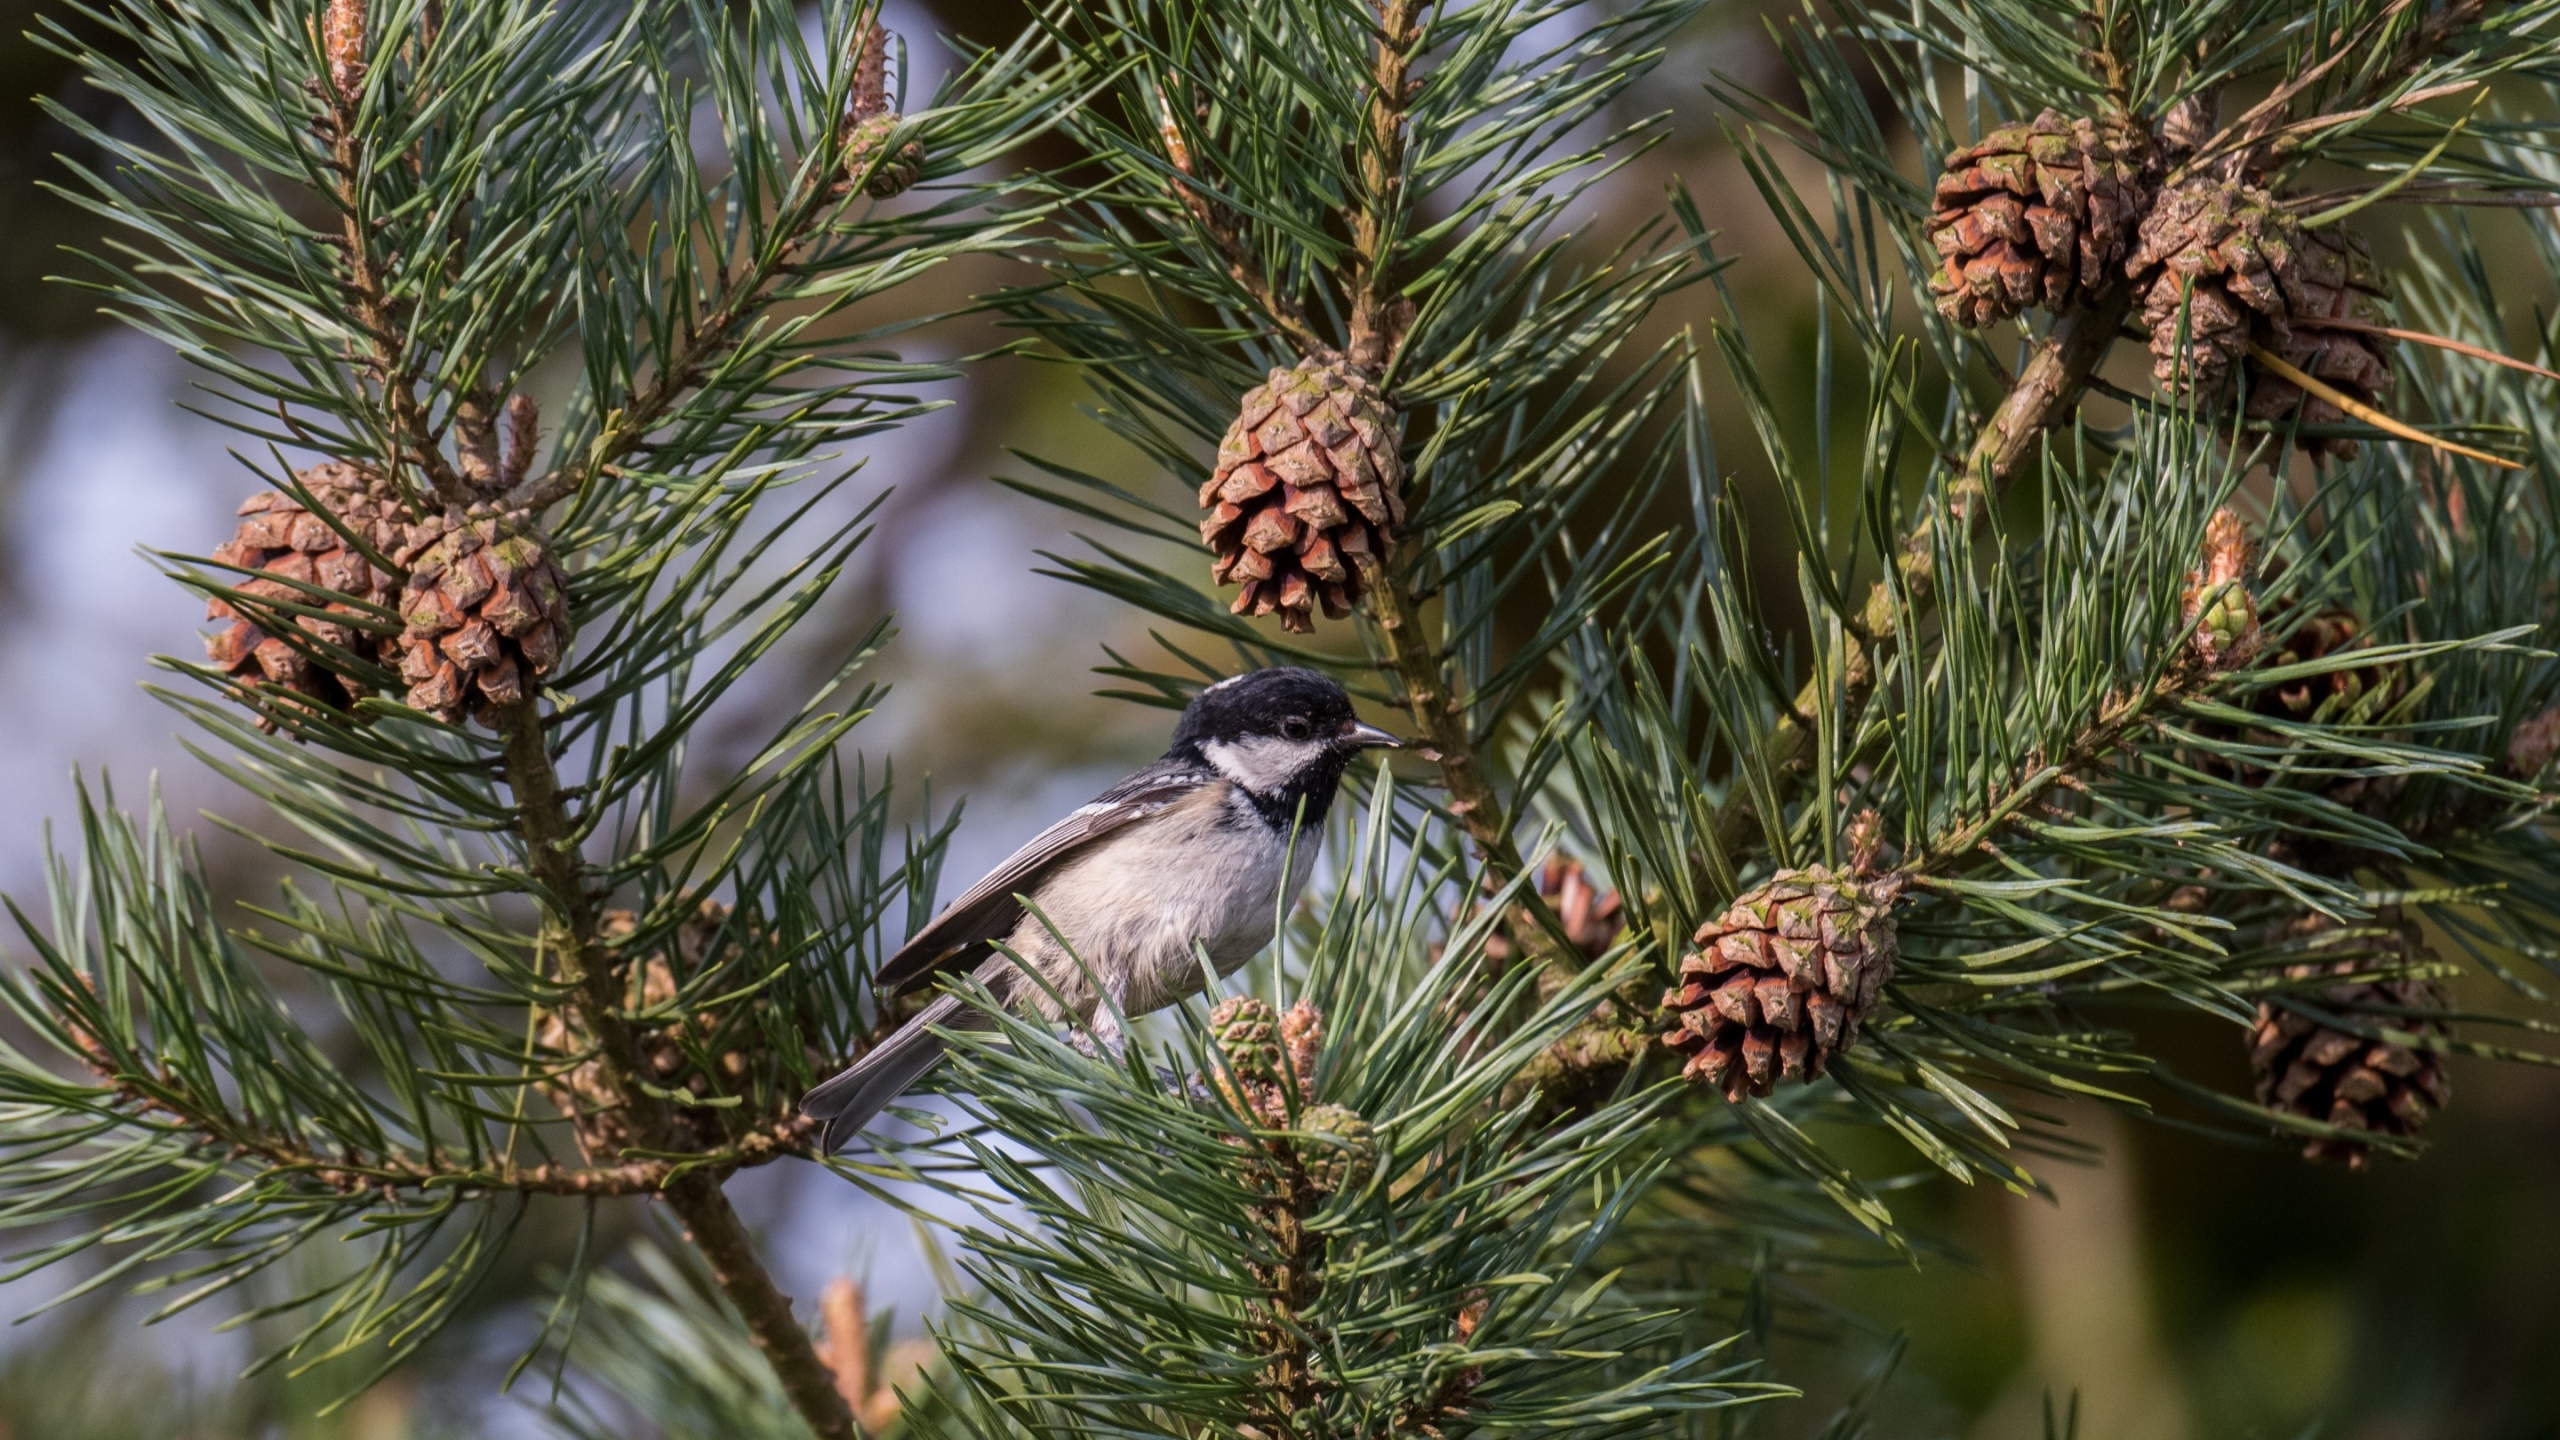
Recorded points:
1203,847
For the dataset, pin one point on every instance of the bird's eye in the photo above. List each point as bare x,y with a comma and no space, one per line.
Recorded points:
1296,728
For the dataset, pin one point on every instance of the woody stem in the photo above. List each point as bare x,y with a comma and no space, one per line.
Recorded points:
570,939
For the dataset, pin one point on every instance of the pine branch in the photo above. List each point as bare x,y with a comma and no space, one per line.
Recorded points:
376,313
212,1126
1426,694
2045,396
2262,133
1226,232
570,936
746,287
1374,325
722,1240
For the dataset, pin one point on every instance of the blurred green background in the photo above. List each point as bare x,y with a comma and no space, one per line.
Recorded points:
2187,1288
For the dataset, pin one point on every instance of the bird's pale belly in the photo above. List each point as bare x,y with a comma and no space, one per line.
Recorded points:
1133,912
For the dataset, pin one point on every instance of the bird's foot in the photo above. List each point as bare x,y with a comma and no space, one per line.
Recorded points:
1103,1038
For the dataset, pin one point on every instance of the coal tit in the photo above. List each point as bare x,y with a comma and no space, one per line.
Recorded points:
1196,847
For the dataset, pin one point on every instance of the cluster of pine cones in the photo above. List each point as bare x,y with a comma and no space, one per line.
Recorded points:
463,612
2308,1065
1271,1060
2048,214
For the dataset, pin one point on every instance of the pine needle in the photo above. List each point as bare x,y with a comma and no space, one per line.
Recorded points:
2366,413
2421,337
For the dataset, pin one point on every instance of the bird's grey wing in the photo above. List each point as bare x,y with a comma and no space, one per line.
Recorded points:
988,910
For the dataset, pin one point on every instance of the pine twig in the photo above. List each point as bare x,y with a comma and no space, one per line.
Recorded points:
2252,140
2046,393
1378,319
1374,331
376,313
350,1174
570,935
1225,230
747,291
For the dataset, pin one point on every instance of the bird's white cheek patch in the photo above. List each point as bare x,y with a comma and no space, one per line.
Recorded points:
1262,763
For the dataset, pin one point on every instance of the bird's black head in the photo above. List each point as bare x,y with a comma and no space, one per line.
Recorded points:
1284,735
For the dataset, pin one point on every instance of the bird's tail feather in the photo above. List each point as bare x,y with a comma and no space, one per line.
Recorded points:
848,1101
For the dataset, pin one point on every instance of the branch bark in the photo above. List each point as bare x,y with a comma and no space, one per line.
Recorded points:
1373,329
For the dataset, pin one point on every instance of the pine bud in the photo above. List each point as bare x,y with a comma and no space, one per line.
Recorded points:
1302,1035
2219,605
342,38
1176,149
869,124
1865,839
524,432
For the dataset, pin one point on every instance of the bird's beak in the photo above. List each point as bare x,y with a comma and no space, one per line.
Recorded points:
1367,737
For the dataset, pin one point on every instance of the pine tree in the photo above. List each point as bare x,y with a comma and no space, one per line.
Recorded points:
2083,717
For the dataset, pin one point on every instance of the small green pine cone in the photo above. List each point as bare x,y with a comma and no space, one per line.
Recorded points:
1337,1147
1248,1034
2218,601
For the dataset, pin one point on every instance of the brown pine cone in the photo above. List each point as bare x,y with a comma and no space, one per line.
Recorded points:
486,612
2237,269
1781,981
2535,742
2361,695
2331,276
2352,1081
278,536
2034,216
1307,495
2357,696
